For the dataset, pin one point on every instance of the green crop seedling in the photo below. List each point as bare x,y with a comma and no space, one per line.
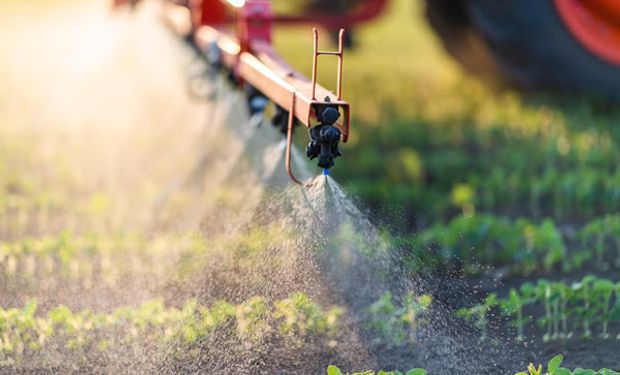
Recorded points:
333,370
553,368
591,302
395,323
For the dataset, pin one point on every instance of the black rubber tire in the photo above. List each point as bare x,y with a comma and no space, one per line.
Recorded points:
450,21
528,43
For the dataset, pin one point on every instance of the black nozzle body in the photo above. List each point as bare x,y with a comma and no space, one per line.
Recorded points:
324,140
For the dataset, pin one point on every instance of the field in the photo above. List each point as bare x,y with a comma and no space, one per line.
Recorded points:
467,229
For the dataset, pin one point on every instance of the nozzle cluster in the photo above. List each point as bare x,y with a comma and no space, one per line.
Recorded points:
325,137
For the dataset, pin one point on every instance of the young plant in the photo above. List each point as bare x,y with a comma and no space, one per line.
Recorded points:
545,294
549,242
477,314
582,292
299,315
333,370
602,291
396,323
565,294
595,232
583,304
252,318
513,306
615,310
614,228
554,368
412,313
577,260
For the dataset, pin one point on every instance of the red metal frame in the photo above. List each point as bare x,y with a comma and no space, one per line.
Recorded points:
214,12
369,10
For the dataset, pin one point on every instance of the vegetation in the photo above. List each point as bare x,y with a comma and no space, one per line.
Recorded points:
565,310
479,242
395,324
333,370
470,180
553,368
23,331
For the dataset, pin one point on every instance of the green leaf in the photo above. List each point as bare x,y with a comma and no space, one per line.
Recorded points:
603,286
554,364
417,371
30,308
333,370
614,313
580,371
515,299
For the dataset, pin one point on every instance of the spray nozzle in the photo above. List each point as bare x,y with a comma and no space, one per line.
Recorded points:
257,101
323,145
324,138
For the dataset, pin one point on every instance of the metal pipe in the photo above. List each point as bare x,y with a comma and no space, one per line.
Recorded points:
289,140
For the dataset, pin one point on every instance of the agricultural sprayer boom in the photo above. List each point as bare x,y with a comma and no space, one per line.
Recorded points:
236,36
298,97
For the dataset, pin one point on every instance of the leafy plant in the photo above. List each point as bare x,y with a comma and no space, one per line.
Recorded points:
553,368
582,290
602,291
478,314
513,306
298,315
153,321
333,370
396,323
590,302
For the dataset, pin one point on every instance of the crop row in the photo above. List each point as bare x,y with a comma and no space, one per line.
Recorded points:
333,370
554,367
475,242
392,321
41,211
563,309
563,195
103,260
552,172
22,331
480,241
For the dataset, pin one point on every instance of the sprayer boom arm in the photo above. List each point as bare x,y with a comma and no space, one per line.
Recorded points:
247,54
271,75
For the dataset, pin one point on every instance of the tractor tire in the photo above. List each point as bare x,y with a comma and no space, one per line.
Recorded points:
525,42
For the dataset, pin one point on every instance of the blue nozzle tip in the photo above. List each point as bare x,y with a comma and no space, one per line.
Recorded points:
325,172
